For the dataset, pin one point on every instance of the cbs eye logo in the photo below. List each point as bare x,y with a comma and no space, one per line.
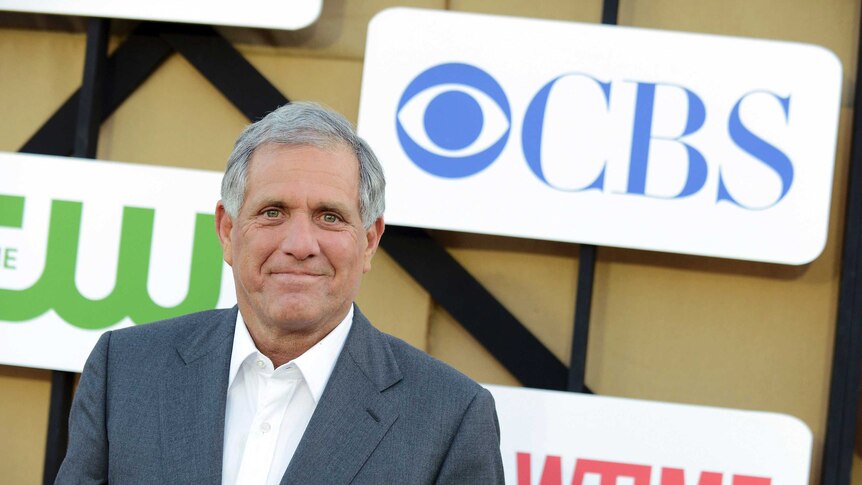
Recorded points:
453,120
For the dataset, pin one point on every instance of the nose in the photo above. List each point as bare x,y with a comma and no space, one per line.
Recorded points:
299,239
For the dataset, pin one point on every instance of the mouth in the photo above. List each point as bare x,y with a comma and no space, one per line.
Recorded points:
295,275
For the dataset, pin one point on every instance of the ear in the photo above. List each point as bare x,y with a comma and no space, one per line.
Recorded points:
373,235
224,224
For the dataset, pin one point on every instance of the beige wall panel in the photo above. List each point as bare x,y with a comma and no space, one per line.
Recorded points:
195,126
582,11
833,24
395,302
535,280
47,69
24,423
38,71
450,342
333,82
175,118
339,32
665,327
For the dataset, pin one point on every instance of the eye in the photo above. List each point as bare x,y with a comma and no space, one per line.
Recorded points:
453,120
330,218
271,213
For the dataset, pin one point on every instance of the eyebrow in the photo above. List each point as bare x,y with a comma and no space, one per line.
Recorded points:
323,206
272,203
333,207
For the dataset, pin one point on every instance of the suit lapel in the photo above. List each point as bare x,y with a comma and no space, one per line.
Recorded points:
353,414
192,401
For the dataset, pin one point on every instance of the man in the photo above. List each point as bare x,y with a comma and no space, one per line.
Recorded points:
294,386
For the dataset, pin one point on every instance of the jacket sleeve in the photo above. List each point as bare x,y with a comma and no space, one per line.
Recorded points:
86,459
474,455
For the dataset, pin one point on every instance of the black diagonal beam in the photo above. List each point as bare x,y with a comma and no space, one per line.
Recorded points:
127,68
227,70
474,308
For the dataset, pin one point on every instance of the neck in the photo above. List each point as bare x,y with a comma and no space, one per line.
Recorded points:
282,345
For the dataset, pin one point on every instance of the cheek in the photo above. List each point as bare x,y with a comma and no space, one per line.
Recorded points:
343,253
252,252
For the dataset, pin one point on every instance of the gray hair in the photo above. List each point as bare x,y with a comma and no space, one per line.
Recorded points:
310,124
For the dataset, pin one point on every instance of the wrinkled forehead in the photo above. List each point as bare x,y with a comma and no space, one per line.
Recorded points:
335,166
331,146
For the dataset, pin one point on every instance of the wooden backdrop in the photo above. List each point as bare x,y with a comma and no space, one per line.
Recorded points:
665,327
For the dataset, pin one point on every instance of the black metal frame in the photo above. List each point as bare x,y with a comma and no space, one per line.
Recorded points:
109,81
847,355
586,276
485,318
583,309
85,143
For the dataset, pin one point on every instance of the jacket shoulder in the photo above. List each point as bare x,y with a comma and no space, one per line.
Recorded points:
431,375
176,325
167,333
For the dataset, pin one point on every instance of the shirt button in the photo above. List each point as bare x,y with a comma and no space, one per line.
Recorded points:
260,364
265,427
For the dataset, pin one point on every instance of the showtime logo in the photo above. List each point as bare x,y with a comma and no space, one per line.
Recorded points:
556,438
597,472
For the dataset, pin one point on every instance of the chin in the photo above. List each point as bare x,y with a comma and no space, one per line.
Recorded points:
296,315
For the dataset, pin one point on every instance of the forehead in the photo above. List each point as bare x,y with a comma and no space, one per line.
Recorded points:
278,168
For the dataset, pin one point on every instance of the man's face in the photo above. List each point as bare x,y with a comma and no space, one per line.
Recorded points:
297,247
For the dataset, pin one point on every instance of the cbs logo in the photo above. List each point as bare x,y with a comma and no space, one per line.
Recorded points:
453,120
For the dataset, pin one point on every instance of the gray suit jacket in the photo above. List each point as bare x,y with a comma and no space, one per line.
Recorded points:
150,408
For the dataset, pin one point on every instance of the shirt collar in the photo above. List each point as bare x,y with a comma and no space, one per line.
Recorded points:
316,364
243,346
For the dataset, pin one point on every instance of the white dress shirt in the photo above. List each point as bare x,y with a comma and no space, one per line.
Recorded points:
268,409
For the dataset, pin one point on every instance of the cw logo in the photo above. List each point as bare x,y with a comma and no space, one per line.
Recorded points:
56,287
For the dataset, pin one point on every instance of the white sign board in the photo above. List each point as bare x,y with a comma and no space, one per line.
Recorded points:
614,136
554,438
271,14
88,246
